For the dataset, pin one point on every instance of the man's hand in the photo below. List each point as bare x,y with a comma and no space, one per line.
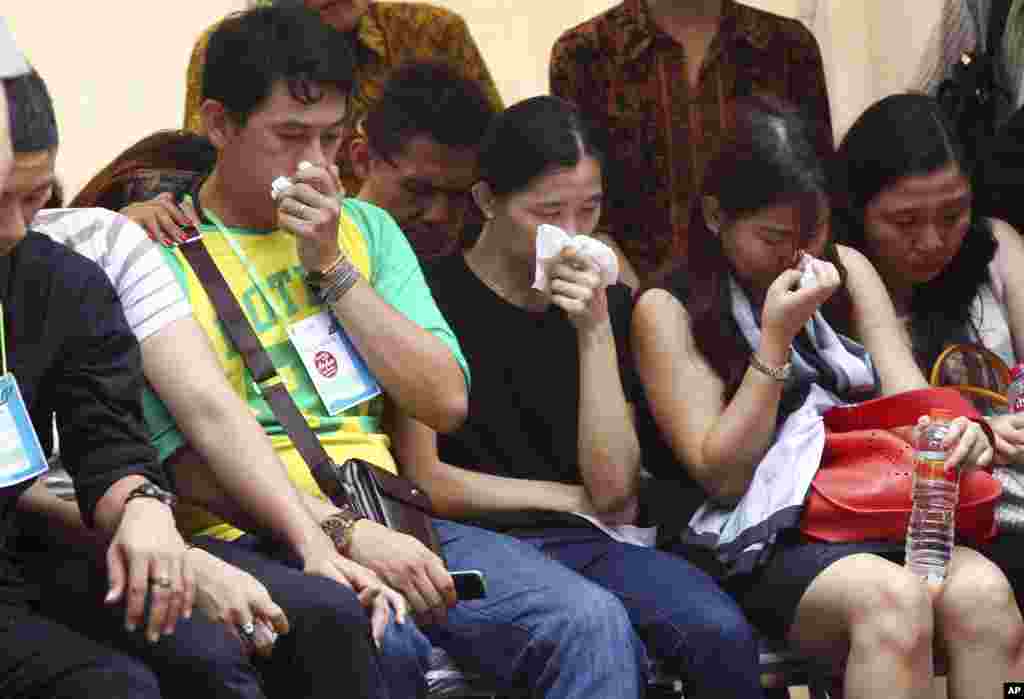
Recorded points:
234,598
148,554
378,599
310,210
406,565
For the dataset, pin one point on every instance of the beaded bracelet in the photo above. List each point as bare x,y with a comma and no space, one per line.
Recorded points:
337,281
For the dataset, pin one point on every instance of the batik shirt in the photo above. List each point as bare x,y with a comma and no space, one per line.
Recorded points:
630,78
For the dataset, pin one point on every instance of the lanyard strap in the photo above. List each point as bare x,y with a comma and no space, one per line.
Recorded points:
3,343
250,269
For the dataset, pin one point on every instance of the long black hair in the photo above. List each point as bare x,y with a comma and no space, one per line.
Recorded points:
767,158
907,135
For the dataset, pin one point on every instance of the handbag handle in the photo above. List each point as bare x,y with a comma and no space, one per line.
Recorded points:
898,410
991,360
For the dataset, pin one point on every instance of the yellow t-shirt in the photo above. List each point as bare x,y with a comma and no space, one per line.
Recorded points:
378,249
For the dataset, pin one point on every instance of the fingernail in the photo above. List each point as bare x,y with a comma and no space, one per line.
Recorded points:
153,637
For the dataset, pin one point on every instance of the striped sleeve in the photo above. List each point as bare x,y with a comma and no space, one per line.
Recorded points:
145,285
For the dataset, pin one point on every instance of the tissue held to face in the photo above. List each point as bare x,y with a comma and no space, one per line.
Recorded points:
569,198
763,244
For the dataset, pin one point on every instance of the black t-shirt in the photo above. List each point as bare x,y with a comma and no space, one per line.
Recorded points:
524,398
74,356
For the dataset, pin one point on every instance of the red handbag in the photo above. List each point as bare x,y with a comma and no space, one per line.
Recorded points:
862,489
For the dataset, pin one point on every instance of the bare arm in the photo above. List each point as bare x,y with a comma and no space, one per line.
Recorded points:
1009,265
609,452
415,369
219,426
720,445
877,327
459,493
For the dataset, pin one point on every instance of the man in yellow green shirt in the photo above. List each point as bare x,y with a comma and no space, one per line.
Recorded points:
539,631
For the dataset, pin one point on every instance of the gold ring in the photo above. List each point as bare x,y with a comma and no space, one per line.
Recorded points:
161,582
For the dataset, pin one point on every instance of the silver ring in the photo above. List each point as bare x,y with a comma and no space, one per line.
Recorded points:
161,582
248,631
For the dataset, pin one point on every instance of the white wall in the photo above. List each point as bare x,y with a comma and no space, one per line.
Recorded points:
116,68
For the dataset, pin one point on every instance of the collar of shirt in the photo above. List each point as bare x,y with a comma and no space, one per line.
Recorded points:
738,21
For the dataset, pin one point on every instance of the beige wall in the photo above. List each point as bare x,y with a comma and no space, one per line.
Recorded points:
116,67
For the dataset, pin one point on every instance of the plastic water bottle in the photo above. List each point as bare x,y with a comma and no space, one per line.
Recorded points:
935,492
1015,392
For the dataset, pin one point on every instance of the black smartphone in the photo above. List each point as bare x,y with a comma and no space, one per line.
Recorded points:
469,584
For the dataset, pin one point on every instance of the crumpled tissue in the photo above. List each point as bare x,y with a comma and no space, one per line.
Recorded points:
550,242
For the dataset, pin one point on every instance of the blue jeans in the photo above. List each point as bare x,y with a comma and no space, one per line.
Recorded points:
579,594
542,630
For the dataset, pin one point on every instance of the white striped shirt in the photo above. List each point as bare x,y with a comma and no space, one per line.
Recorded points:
151,297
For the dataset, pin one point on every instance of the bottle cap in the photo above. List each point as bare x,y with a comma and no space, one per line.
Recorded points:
940,415
1016,372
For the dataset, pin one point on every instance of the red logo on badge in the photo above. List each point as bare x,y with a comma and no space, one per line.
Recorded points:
326,364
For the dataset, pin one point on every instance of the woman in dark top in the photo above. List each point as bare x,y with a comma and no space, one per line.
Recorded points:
548,453
720,398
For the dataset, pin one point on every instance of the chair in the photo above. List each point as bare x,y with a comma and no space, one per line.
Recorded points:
781,669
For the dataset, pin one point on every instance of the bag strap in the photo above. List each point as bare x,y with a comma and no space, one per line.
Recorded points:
256,359
898,410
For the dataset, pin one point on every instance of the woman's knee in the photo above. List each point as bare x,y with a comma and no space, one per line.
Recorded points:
891,612
977,604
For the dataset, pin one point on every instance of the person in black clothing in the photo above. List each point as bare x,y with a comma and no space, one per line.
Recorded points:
549,453
70,352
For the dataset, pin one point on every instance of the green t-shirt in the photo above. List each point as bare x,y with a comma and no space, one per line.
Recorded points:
380,251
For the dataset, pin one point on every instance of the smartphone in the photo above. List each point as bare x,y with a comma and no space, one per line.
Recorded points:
469,584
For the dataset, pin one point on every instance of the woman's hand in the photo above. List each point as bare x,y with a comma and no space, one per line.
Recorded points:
237,600
788,305
966,443
165,221
576,289
1009,433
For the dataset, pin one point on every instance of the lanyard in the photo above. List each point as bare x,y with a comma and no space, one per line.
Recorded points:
3,343
250,269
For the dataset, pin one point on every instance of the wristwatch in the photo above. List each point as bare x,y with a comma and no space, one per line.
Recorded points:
780,373
339,528
151,490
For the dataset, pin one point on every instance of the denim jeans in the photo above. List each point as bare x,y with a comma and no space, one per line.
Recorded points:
40,658
577,592
542,630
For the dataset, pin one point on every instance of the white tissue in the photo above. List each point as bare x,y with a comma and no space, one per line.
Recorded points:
279,185
808,278
552,239
282,183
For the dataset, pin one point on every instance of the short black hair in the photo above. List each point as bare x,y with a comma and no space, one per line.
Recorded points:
427,98
533,137
32,118
249,52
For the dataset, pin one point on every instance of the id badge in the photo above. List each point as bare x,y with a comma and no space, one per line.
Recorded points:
338,372
21,455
